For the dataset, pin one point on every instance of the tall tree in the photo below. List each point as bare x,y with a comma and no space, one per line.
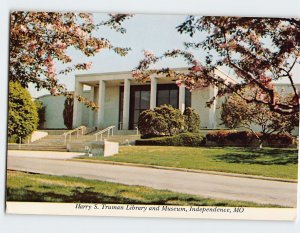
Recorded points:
40,39
258,51
22,112
68,113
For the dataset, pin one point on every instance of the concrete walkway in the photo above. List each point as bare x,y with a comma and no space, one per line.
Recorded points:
207,185
44,154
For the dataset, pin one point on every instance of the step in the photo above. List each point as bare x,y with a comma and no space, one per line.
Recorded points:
36,147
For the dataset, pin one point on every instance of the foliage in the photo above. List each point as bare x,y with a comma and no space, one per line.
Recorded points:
68,113
258,51
41,110
163,120
40,40
247,138
222,136
22,112
192,120
183,139
236,112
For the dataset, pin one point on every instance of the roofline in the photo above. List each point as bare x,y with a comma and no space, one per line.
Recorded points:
120,72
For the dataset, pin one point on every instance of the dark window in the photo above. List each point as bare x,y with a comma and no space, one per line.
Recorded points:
121,108
188,98
139,101
167,94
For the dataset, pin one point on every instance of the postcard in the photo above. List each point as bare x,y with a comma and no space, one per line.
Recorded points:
148,115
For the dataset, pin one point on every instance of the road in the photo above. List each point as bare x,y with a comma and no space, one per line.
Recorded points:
206,185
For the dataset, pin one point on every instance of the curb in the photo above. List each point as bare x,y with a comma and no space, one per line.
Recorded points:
186,170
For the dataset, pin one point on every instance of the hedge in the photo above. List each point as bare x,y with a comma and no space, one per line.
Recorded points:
247,138
183,139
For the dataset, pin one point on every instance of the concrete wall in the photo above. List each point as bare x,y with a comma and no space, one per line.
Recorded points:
199,98
111,107
37,135
54,111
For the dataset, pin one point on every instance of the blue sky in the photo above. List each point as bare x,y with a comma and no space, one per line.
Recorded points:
156,33
153,32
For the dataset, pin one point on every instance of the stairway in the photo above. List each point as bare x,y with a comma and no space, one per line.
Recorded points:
57,142
48,143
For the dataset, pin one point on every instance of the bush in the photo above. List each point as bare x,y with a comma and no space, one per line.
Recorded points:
68,113
244,138
22,112
280,140
221,137
164,120
41,110
192,120
183,139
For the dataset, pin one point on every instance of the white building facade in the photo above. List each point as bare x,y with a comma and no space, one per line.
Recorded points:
121,99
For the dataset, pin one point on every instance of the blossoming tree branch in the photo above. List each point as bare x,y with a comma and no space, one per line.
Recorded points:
40,39
259,51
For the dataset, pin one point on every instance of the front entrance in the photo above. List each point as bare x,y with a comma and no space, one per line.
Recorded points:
140,100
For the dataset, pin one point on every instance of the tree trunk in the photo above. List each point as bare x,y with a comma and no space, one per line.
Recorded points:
261,141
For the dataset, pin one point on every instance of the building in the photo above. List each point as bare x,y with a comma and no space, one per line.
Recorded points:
122,99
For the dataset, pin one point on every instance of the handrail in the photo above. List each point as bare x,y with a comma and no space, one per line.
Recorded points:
80,128
108,129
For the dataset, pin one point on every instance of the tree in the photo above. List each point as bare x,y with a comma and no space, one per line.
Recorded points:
68,113
237,113
164,120
22,112
39,40
258,51
41,110
192,120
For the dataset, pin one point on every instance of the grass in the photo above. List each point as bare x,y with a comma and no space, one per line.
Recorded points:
23,186
268,162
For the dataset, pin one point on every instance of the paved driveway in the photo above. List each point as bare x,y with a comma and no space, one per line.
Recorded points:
208,185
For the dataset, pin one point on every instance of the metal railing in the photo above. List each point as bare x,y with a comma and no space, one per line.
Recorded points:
109,130
81,129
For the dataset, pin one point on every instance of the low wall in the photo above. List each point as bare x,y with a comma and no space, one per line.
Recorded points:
37,135
95,148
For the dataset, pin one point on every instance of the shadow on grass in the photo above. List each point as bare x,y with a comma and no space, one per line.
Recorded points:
265,156
87,195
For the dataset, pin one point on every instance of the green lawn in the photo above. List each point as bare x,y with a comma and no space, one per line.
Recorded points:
45,188
269,162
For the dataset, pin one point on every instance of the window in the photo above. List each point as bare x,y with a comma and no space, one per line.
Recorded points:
167,94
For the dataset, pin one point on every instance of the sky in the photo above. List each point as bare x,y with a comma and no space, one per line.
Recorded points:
156,33
153,32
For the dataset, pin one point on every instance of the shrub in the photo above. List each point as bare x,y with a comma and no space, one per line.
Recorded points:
192,120
22,112
164,120
41,110
280,140
68,113
223,137
183,139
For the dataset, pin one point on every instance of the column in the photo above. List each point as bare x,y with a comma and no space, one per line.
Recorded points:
153,92
181,99
212,110
101,101
92,112
77,109
126,102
